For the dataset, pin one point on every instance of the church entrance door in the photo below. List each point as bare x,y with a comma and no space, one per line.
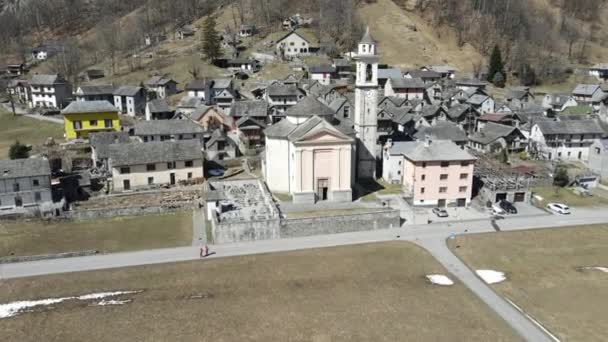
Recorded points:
322,188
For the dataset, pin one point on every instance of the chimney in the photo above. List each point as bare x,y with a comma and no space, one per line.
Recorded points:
427,140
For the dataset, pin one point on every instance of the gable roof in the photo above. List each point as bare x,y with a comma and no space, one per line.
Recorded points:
478,99
47,79
518,93
313,126
80,107
440,150
278,89
102,140
252,108
416,73
127,90
104,89
389,73
570,127
189,102
155,81
431,110
458,110
443,130
138,153
309,106
491,117
586,89
158,106
493,131
558,99
249,122
367,37
166,127
322,69
290,33
24,168
407,83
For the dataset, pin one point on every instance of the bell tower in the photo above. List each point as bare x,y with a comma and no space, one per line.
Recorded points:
366,107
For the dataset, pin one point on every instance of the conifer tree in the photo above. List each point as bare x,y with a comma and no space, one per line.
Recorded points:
211,40
496,66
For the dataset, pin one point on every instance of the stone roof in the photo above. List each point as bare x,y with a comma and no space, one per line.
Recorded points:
24,168
309,106
586,89
495,117
104,89
517,93
415,73
166,127
283,90
407,83
280,129
478,99
201,84
190,102
431,110
127,90
337,103
491,132
442,130
158,106
249,122
80,107
322,69
439,150
471,82
155,81
558,99
102,140
47,80
442,69
367,38
154,152
457,111
389,73
252,108
200,111
310,126
570,127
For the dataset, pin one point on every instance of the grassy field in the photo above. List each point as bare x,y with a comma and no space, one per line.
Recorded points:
105,235
26,130
544,275
374,292
568,197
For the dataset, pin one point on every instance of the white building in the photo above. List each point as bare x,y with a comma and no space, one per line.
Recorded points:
482,103
322,73
49,91
293,44
163,86
130,100
565,140
148,165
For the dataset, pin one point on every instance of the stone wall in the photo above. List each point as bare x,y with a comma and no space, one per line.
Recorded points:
92,214
300,227
245,231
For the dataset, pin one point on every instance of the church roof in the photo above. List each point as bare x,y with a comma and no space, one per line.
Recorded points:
367,38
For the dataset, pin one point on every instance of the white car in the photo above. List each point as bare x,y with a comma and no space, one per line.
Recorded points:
559,208
497,210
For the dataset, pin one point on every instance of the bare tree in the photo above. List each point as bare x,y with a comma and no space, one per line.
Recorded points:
68,61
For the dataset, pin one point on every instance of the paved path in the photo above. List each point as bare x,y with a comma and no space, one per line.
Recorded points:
199,236
22,112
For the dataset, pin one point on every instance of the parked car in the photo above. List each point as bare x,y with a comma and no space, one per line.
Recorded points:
497,210
508,207
440,212
559,208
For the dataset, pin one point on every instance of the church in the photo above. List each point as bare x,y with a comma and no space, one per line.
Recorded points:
311,157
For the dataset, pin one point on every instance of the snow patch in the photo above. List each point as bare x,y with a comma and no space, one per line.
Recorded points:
15,308
491,276
440,279
596,268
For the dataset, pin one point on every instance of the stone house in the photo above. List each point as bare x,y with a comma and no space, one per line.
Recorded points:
322,73
251,131
445,71
130,100
221,146
255,109
280,97
519,97
158,109
20,90
558,102
565,140
210,118
49,91
481,103
100,143
25,186
136,166
433,173
600,71
163,86
407,88
293,44
493,137
427,76
598,158
104,92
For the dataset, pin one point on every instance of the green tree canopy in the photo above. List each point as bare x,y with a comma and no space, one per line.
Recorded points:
211,40
19,151
561,178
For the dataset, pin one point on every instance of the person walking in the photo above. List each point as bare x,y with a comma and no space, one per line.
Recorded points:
201,252
206,250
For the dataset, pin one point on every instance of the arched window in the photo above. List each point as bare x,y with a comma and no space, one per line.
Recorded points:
368,73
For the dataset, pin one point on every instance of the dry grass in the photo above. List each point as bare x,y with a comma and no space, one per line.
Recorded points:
543,276
363,293
568,197
105,235
27,131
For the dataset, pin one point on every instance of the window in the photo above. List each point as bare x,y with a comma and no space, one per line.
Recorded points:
443,176
180,137
464,176
150,180
464,163
462,189
151,167
445,164
107,123
346,111
303,43
400,162
171,165
399,172
421,190
189,163
423,177
145,139
597,150
77,124
292,44
443,189
189,175
35,182
15,187
125,170
220,146
93,122
37,196
423,165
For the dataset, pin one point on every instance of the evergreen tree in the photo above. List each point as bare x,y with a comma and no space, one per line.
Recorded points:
561,178
19,151
496,65
211,40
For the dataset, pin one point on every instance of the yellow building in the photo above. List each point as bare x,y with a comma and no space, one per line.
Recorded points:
84,117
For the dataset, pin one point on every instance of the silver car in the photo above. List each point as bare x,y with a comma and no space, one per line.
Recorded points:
440,212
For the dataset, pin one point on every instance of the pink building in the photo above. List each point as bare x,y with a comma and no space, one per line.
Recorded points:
434,173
